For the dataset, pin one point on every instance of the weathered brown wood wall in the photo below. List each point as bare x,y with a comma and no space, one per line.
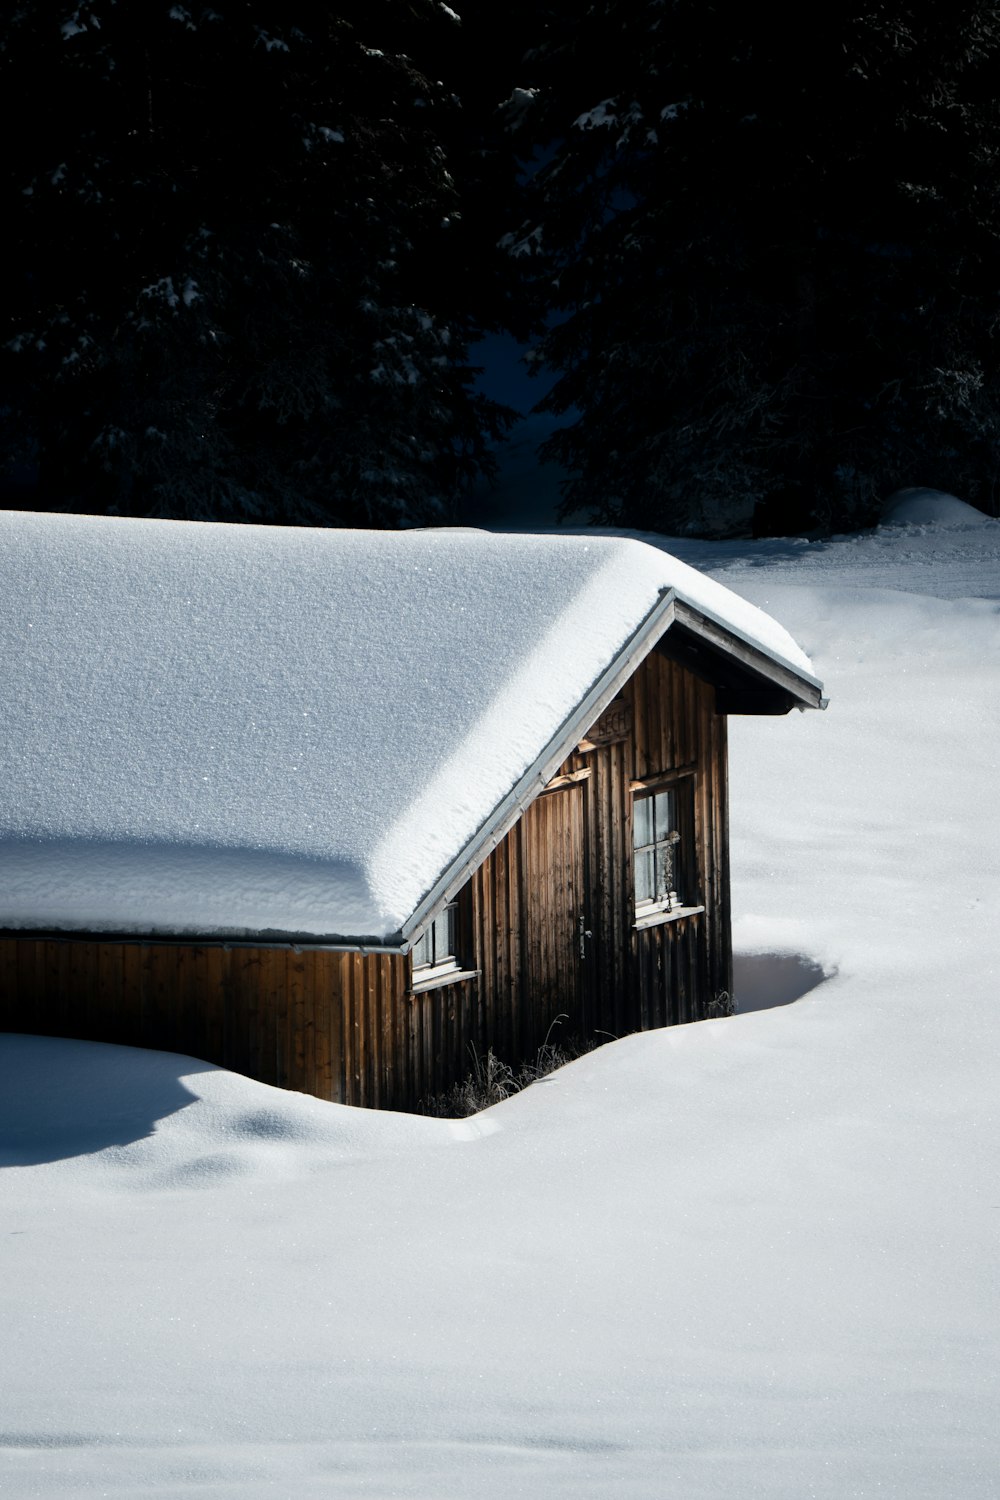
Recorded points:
527,922
548,921
330,1024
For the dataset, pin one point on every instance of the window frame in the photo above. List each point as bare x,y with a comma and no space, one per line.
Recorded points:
683,900
450,926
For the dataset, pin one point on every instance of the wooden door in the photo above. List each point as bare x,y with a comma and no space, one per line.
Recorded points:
557,941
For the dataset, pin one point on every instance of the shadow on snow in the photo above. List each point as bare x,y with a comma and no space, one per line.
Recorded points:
61,1098
764,980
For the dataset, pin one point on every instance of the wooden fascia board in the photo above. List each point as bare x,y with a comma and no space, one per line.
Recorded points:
293,942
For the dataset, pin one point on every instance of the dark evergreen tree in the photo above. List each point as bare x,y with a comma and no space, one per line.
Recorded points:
482,62
774,246
237,278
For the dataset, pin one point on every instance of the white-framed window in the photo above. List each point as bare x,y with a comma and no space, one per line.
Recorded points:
662,853
435,949
440,955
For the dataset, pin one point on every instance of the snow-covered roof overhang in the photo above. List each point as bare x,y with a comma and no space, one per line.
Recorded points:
278,734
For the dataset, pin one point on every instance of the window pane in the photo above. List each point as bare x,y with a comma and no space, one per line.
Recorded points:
438,942
664,813
665,881
644,876
444,935
643,821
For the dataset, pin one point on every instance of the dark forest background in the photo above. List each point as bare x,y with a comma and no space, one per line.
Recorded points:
251,249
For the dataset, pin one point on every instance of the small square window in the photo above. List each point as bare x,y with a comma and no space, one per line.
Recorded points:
435,948
440,954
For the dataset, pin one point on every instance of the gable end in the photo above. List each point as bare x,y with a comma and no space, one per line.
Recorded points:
746,679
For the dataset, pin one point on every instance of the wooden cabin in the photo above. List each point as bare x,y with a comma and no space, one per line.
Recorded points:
341,810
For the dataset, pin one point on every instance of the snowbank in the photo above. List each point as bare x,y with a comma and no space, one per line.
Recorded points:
924,507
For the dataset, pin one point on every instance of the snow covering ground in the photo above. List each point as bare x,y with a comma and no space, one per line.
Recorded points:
750,1257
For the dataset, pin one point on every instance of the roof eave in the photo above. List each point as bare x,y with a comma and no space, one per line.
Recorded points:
295,942
766,669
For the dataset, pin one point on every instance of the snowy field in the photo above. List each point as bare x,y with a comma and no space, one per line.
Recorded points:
752,1257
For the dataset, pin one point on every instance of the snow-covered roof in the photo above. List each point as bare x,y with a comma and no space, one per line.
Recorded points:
222,730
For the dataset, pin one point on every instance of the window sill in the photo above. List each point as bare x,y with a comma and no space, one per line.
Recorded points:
433,979
656,916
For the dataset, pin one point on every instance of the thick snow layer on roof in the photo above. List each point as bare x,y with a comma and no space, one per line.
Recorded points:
240,729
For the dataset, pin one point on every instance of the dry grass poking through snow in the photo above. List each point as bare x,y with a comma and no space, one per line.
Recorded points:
492,1080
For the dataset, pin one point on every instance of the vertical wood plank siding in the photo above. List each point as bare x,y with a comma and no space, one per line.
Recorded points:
299,1020
547,919
628,980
